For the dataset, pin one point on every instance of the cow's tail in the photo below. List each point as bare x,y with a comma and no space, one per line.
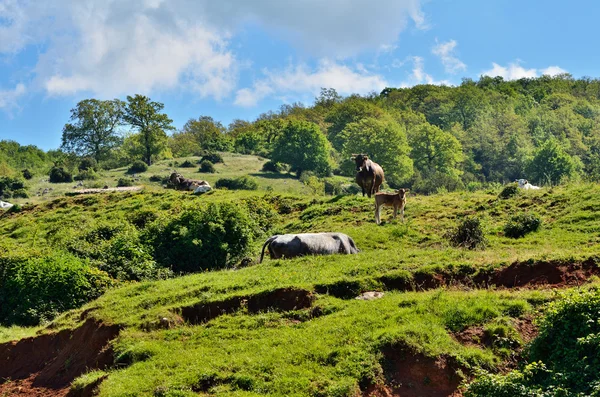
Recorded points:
269,241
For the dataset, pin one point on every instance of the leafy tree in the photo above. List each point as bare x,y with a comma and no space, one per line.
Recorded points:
435,150
385,142
92,130
208,133
353,109
303,146
145,117
551,163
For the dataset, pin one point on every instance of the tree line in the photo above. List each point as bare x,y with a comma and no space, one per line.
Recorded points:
426,137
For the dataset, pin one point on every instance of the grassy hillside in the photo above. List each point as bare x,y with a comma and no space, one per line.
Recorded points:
293,327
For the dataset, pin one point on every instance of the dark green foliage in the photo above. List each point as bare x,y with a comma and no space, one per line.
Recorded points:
27,174
212,157
199,239
125,182
10,185
207,167
59,175
333,187
158,178
36,289
508,191
86,175
272,166
240,183
137,167
88,163
551,164
468,234
187,164
565,357
521,224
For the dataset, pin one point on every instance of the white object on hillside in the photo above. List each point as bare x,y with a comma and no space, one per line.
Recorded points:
5,205
524,184
202,189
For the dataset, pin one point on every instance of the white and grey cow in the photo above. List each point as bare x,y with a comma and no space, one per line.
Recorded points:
293,245
524,184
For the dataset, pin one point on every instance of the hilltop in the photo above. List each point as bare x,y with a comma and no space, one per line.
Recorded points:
291,327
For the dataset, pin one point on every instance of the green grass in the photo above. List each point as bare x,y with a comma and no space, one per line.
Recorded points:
279,353
16,333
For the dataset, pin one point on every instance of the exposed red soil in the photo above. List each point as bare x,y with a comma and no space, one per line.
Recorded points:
45,365
282,299
414,375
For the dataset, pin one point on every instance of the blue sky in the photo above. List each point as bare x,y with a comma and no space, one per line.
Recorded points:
238,58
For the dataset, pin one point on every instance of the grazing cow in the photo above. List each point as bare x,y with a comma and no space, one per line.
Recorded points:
524,184
292,245
369,176
396,200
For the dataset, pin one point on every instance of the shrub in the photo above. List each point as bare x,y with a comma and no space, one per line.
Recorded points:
352,189
521,224
240,183
20,193
27,174
125,182
137,167
88,163
59,175
510,190
199,239
187,164
272,166
316,185
212,157
37,289
474,186
86,175
468,234
333,187
207,167
9,186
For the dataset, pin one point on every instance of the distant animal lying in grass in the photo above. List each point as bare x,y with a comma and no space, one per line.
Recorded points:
369,176
293,245
181,183
524,184
396,200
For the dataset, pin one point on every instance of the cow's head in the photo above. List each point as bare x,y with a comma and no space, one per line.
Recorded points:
402,192
360,160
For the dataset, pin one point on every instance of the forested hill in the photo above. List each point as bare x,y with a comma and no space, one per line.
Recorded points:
426,137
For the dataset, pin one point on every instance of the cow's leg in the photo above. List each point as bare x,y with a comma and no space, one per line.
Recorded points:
402,213
395,211
377,214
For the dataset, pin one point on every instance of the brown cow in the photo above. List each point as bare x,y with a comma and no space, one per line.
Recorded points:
369,176
396,200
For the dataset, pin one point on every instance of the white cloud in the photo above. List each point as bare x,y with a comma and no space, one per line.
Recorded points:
8,98
111,47
300,79
419,76
446,53
514,71
553,71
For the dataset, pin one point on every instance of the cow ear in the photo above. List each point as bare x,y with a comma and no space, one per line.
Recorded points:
365,157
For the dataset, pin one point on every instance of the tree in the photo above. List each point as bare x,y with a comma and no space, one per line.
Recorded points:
551,163
210,134
384,141
92,130
303,146
144,116
435,150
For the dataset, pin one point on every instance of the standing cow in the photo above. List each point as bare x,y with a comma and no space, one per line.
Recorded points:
369,176
293,245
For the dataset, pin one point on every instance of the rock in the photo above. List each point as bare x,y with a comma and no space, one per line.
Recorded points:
370,295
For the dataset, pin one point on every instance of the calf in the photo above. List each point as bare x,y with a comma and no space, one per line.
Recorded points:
396,200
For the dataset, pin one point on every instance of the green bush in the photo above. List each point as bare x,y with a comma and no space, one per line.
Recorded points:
125,182
187,164
86,175
510,190
468,234
521,224
203,239
240,183
333,187
137,167
35,290
212,157
88,163
272,166
27,174
20,193
158,178
59,175
207,167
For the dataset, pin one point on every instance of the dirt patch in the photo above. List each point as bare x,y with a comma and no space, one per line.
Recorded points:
282,299
414,375
110,189
46,365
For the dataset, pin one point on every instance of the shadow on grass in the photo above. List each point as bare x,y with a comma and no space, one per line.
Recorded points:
272,175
